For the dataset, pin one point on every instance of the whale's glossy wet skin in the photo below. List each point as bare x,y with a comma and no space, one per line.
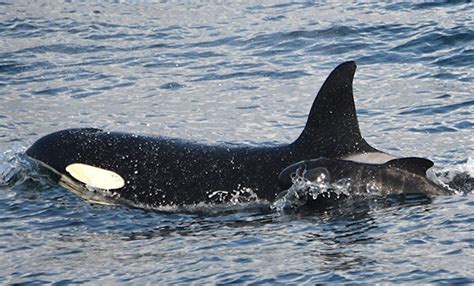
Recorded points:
155,172
238,73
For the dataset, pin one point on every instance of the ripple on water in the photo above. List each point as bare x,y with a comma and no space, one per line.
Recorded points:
244,73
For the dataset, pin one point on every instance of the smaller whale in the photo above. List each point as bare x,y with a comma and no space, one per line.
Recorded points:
346,178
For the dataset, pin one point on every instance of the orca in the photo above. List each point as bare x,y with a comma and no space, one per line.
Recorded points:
397,176
152,171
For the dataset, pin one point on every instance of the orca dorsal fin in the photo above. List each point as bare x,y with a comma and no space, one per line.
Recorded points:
332,129
414,165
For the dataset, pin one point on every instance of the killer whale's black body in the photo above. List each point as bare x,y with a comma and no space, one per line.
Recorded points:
160,171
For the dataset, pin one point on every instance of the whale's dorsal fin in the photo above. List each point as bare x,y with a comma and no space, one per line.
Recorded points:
414,165
332,129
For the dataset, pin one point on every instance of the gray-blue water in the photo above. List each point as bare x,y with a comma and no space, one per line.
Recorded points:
246,73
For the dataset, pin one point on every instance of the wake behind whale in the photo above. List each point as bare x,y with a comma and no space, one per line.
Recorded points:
152,172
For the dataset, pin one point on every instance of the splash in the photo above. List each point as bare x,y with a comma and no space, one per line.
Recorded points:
239,196
15,168
458,179
241,199
310,185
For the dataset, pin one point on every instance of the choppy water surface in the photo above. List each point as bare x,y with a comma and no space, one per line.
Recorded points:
244,73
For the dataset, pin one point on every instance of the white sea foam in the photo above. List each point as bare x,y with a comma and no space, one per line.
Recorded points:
457,178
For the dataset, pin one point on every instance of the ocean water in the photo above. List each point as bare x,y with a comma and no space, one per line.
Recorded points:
238,72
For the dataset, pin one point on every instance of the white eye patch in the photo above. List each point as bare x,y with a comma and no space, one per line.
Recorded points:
95,177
